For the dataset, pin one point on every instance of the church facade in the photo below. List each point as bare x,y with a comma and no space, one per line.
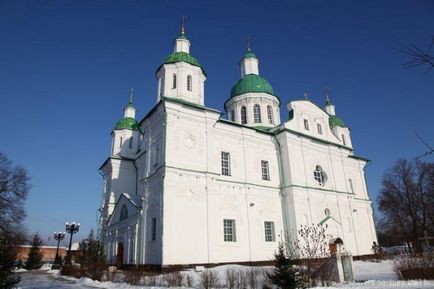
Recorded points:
186,185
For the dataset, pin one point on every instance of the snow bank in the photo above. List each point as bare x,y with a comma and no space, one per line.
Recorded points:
365,270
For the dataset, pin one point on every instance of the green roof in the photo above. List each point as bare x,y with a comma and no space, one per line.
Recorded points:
183,57
336,121
249,54
182,36
128,123
251,83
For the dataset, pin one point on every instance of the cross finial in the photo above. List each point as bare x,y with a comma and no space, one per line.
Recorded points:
248,42
183,18
306,95
326,94
131,96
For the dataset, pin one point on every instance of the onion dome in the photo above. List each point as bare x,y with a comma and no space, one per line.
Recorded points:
336,121
251,83
128,123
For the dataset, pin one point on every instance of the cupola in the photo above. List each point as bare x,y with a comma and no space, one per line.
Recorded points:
253,101
181,76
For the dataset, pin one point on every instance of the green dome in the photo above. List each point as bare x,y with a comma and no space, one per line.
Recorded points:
251,83
336,121
183,57
128,123
249,54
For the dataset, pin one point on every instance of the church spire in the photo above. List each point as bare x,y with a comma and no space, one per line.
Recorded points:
182,44
183,18
249,63
328,107
129,110
130,103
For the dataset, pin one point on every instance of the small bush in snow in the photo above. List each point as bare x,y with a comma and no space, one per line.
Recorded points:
189,280
135,276
231,278
209,279
151,280
173,279
241,282
412,268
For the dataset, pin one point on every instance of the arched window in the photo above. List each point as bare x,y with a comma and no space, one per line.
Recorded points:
320,176
130,143
243,115
270,114
189,83
124,213
174,81
231,115
256,113
120,143
343,139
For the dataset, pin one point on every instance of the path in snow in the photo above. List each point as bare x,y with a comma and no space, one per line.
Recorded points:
43,280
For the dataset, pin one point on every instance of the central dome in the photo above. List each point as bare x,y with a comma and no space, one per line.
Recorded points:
251,83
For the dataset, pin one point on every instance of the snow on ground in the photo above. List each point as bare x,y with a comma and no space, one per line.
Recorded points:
364,270
380,276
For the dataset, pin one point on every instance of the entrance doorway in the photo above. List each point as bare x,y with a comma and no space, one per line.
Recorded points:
120,256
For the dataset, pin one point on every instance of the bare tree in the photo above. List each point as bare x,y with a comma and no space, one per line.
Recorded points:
406,200
311,247
418,56
13,192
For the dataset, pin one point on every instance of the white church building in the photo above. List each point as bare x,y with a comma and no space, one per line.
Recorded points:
186,185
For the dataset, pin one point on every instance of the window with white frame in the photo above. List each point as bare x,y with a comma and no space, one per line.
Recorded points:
319,176
229,234
270,114
343,140
269,231
256,113
265,170
174,81
120,143
243,115
130,143
226,163
306,124
318,126
189,83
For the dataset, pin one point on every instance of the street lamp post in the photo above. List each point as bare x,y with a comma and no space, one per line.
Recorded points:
58,236
71,229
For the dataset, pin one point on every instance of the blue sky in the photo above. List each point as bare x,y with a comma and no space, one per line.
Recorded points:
66,68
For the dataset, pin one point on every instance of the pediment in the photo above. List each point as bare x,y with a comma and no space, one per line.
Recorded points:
125,208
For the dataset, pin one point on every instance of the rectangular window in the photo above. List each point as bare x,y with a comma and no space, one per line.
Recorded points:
229,230
226,164
156,156
120,143
343,140
154,229
265,170
269,232
306,124
318,125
